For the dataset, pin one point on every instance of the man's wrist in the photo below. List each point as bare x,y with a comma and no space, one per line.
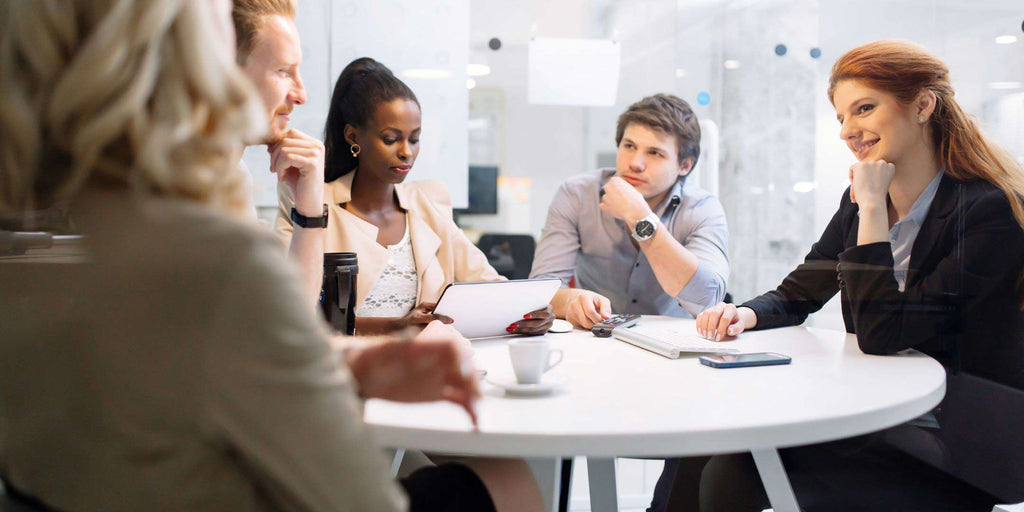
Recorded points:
645,228
310,210
632,219
318,221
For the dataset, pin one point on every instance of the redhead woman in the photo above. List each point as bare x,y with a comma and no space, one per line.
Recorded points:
926,251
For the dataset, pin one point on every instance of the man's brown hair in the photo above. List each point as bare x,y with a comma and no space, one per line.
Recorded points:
669,114
249,16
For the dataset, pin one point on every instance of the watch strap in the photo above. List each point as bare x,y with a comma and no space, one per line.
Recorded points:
309,222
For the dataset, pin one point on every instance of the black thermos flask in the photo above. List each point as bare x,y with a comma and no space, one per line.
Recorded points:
338,291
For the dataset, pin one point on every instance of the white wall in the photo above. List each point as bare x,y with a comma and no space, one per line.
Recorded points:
540,145
402,34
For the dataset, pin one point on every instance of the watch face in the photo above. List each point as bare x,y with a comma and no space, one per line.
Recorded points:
644,229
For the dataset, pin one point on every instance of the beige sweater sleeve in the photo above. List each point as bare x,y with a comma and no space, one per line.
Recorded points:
280,398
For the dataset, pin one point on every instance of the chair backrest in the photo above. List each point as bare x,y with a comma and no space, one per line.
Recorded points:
980,438
499,248
11,503
983,429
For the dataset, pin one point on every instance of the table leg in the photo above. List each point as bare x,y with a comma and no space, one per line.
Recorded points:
396,461
548,473
604,497
776,483
565,489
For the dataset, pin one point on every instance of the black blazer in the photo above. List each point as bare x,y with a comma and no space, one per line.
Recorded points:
962,278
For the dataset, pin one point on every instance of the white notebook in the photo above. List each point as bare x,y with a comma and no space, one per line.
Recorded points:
670,341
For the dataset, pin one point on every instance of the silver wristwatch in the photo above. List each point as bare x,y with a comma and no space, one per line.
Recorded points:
644,228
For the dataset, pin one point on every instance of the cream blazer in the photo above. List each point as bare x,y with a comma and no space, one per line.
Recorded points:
442,252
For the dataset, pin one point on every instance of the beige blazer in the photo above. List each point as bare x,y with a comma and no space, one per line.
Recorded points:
179,368
442,252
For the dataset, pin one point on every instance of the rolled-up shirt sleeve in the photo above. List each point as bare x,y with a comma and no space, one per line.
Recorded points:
559,243
708,241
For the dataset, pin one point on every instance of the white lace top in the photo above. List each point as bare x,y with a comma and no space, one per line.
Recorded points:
394,293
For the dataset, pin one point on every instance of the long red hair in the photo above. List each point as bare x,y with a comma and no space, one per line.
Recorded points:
904,69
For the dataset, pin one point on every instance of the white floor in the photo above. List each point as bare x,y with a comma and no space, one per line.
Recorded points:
634,479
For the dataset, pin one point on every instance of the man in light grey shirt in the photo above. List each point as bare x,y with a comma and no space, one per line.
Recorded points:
633,237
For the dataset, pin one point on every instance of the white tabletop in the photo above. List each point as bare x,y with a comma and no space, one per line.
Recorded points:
622,400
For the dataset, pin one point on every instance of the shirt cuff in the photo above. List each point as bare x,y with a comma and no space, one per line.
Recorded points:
704,290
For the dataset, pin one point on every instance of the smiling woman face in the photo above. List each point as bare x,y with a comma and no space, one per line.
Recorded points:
875,126
390,141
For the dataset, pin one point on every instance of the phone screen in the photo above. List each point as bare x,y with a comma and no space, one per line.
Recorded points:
737,360
761,357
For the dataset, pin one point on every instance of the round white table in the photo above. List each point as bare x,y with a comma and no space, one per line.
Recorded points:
625,401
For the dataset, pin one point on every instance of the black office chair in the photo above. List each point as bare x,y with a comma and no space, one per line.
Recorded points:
510,255
979,438
12,503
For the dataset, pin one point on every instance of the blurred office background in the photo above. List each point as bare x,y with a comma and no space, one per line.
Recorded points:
755,71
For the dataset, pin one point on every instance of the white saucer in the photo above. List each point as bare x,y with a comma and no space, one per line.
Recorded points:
545,386
560,326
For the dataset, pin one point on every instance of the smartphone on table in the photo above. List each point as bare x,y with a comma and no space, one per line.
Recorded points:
741,360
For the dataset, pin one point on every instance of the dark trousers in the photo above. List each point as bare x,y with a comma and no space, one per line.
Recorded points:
861,474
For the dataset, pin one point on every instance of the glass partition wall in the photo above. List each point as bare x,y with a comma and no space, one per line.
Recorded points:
757,71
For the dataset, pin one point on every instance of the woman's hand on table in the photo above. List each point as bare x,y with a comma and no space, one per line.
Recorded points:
724,320
534,323
435,364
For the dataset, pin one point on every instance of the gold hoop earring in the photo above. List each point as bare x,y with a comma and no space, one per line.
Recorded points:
355,150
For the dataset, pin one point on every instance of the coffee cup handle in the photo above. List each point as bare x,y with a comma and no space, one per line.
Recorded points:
554,364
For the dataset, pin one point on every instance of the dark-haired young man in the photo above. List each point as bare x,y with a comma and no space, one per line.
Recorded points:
633,237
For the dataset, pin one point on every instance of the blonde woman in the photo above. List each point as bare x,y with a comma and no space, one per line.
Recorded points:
179,367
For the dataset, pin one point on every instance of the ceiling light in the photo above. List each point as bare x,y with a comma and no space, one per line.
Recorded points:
680,73
478,69
1004,85
731,64
803,186
428,73
470,83
1007,39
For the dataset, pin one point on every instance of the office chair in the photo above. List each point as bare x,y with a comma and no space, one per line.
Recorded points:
12,503
979,438
511,255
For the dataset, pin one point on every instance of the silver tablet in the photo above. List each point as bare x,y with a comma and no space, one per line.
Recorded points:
486,308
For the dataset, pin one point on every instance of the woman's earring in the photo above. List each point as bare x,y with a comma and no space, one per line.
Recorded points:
355,150
920,118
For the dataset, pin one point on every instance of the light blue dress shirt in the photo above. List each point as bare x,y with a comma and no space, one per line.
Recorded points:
904,233
581,240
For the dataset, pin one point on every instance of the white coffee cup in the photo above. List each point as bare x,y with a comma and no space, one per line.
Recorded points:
531,357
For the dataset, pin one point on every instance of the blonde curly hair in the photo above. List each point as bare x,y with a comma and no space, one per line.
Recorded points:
143,94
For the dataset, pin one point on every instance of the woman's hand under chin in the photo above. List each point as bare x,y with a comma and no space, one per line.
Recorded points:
870,182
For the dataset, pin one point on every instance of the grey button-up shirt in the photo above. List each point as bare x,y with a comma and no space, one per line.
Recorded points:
581,240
